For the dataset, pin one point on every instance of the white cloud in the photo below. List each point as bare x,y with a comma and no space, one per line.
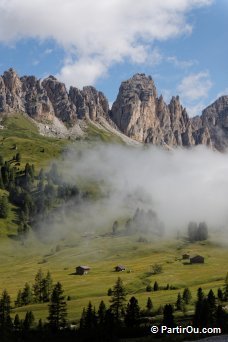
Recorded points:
83,72
96,34
181,63
195,86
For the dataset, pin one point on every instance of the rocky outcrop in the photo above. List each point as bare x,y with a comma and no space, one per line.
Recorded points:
11,92
215,119
63,107
35,99
141,115
89,102
43,101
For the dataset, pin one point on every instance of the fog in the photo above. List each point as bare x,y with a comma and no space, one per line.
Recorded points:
181,185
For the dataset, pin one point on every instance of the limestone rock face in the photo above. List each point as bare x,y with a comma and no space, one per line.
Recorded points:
89,102
141,115
215,118
12,91
48,99
58,95
36,102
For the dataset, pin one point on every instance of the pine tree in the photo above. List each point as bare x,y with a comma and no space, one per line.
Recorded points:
156,287
4,309
132,313
4,207
220,295
18,301
168,318
200,295
192,231
118,299
90,319
101,313
5,175
212,307
149,304
199,308
17,323
28,321
47,287
26,296
202,231
82,319
179,302
1,182
57,308
187,296
38,287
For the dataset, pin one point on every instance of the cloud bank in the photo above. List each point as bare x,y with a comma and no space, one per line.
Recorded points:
96,34
180,186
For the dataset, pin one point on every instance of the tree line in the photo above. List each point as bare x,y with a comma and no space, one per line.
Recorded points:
121,319
197,232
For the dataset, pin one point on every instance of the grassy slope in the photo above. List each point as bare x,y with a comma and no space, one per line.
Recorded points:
96,134
21,131
34,149
102,254
20,263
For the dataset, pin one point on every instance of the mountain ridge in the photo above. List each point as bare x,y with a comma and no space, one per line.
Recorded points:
137,112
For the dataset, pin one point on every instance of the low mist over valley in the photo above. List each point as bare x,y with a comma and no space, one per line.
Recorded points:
178,185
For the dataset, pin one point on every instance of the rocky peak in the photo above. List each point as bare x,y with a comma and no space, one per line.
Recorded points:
215,118
36,101
11,80
12,91
89,102
63,107
49,98
141,115
216,113
135,107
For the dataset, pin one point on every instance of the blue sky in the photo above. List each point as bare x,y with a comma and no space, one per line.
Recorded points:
182,44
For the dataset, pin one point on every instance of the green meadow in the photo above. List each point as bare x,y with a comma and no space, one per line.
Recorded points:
20,263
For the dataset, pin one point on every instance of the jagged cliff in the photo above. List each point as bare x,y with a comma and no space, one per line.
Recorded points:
42,100
138,112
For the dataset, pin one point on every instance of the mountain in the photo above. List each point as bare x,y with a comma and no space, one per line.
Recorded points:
138,112
42,100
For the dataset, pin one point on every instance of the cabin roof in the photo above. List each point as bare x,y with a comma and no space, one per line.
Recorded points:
84,267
